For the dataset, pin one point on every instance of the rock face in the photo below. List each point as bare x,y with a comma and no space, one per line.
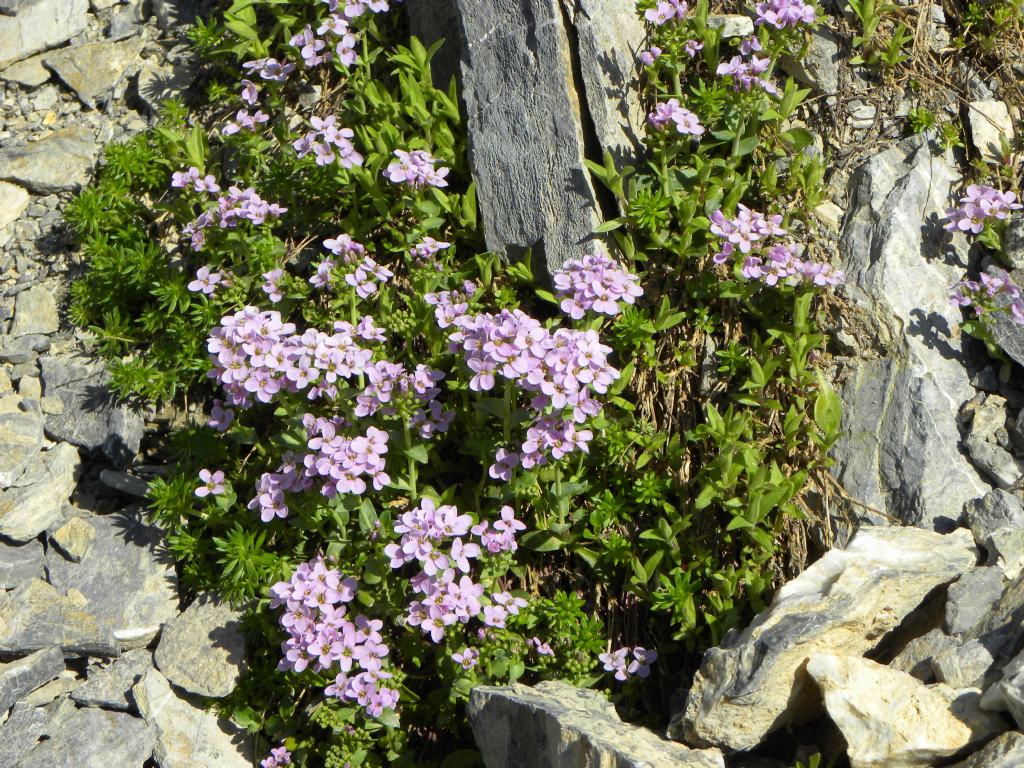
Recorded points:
889,719
61,162
187,736
97,739
554,725
27,511
899,451
528,106
36,616
128,581
755,682
20,563
93,70
202,650
91,419
21,677
39,25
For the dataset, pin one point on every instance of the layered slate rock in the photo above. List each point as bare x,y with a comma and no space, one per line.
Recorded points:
36,616
20,732
19,563
1006,751
202,650
188,736
899,452
19,678
39,25
529,97
27,511
111,687
96,738
755,682
91,419
92,70
21,442
35,311
60,162
555,725
126,576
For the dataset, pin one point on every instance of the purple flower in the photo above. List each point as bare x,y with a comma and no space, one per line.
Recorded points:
250,93
596,283
416,168
692,47
647,58
206,281
669,112
213,483
666,11
467,658
270,287
278,756
981,202
542,648
616,661
269,69
784,13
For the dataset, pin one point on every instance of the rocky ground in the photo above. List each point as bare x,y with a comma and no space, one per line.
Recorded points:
99,663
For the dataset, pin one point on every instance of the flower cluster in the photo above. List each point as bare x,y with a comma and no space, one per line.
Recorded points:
670,112
648,57
433,537
595,282
329,143
666,11
237,205
194,178
321,635
785,13
344,461
278,756
390,384
994,292
746,69
640,665
426,249
354,8
244,120
366,276
980,203
416,168
269,69
771,264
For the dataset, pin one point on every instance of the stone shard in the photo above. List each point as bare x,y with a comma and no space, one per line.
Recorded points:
188,736
917,656
900,448
74,538
971,597
1009,335
990,124
1005,751
555,725
36,616
820,67
527,109
20,563
963,666
13,202
27,511
21,443
40,25
755,682
35,311
29,72
60,162
93,70
203,649
19,678
156,83
20,732
96,738
888,718
111,686
126,576
91,418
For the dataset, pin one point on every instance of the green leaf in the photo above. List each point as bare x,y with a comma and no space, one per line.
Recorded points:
417,453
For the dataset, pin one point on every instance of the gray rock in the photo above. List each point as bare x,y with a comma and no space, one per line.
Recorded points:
963,666
434,20
35,616
731,24
916,656
172,14
96,738
203,649
1006,550
990,122
1009,335
126,576
13,202
111,687
92,70
27,511
91,419
64,684
129,485
995,510
555,725
19,678
523,111
35,311
61,162
996,462
74,538
40,25
1005,751
1013,242
971,597
186,735
21,443
21,731
900,447
20,563
755,682
158,83
820,67
1002,631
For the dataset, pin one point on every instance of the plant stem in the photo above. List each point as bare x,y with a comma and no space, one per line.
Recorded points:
413,470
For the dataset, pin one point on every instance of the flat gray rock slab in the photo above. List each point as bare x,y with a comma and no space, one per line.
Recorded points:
21,731
111,687
35,311
29,72
39,25
60,162
21,443
13,202
188,736
202,650
91,419
92,70
36,616
556,725
20,677
20,562
127,577
27,511
94,738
